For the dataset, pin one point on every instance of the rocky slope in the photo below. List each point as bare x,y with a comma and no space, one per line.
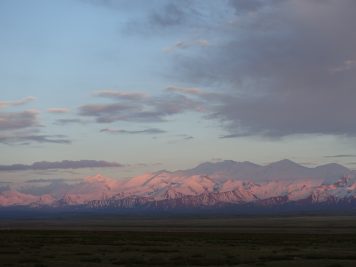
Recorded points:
207,185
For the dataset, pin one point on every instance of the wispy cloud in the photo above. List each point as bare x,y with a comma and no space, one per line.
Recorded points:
181,138
345,66
341,156
69,121
23,101
62,180
18,120
187,90
58,110
151,109
121,95
122,131
182,45
15,139
65,164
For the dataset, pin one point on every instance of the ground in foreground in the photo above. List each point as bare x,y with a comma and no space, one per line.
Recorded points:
302,241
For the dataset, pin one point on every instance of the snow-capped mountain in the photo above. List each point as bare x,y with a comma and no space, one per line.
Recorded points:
218,184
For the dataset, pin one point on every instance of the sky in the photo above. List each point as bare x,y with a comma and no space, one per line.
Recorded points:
128,86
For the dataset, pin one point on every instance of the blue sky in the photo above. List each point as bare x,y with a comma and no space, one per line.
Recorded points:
169,84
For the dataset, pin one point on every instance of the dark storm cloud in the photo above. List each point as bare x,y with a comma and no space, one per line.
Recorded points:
147,109
122,131
290,68
65,164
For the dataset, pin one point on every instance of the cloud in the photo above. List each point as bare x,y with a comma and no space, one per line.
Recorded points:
18,120
181,138
23,101
58,110
23,128
145,131
121,95
151,109
107,112
189,91
243,6
69,121
286,69
65,164
57,139
279,67
61,180
185,45
341,156
345,66
18,139
172,15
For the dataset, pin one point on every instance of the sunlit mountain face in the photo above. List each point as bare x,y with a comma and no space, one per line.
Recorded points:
126,88
209,185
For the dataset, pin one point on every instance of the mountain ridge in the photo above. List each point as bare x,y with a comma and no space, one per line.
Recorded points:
210,184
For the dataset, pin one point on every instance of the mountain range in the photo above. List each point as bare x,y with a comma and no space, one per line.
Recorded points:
207,186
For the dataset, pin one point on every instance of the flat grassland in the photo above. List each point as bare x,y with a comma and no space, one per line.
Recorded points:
180,241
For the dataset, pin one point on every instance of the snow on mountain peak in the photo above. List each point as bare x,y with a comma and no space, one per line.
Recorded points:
208,183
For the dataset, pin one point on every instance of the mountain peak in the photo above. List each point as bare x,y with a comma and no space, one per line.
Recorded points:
284,162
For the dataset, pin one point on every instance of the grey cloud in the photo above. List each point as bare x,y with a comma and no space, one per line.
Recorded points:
121,95
243,6
61,180
341,156
151,109
161,13
189,91
57,139
18,120
171,15
185,45
107,112
23,101
27,139
69,121
289,69
65,164
122,131
181,138
22,128
58,110
102,109
183,16
173,103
